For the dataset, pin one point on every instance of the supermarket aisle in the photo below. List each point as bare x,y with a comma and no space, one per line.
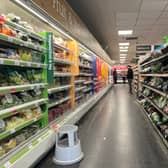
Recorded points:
115,134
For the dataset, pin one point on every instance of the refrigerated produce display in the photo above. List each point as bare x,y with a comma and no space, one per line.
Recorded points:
153,90
47,80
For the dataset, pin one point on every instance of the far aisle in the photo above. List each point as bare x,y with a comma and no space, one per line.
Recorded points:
115,134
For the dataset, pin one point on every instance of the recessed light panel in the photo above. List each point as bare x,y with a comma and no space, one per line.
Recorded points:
123,54
123,50
125,32
123,47
124,44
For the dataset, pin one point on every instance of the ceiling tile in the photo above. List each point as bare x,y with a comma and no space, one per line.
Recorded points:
145,21
164,14
125,23
149,14
126,16
162,21
153,5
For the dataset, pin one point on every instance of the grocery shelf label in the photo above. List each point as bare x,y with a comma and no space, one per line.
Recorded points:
1,61
26,44
54,127
12,131
12,90
7,165
29,64
30,146
39,139
17,63
10,39
14,111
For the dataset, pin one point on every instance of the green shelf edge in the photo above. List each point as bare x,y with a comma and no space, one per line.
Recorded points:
17,111
13,89
21,63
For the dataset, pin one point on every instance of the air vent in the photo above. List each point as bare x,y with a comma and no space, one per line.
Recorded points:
131,38
143,48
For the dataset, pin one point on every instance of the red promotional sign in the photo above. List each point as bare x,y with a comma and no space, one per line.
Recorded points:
98,65
120,67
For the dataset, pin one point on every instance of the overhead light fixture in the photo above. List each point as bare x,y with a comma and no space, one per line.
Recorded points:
122,59
123,50
124,44
125,32
123,47
123,54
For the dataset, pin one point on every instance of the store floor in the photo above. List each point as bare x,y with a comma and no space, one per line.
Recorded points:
115,134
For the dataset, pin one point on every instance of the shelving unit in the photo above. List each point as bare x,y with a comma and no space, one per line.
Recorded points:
155,106
46,138
152,83
59,78
60,97
154,75
136,79
84,82
23,90
155,90
156,128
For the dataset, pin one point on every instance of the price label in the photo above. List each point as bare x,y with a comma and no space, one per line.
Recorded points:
29,64
39,139
9,98
30,146
35,119
12,90
7,165
12,131
1,61
17,63
54,127
32,87
10,39
26,44
14,111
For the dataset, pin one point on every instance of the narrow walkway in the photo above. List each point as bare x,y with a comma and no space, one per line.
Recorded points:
115,134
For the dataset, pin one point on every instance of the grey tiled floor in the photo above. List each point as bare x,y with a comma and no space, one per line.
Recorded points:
115,134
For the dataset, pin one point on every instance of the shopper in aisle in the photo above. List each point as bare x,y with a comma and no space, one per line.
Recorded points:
115,76
130,76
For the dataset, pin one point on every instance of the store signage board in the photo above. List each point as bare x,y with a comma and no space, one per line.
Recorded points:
66,17
120,68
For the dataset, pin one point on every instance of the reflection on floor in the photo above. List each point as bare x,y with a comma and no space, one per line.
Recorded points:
115,134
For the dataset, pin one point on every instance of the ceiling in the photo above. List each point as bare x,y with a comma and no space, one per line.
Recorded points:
147,18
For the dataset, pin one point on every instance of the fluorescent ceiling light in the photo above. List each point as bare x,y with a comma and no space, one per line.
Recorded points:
123,50
124,44
125,32
123,55
123,47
